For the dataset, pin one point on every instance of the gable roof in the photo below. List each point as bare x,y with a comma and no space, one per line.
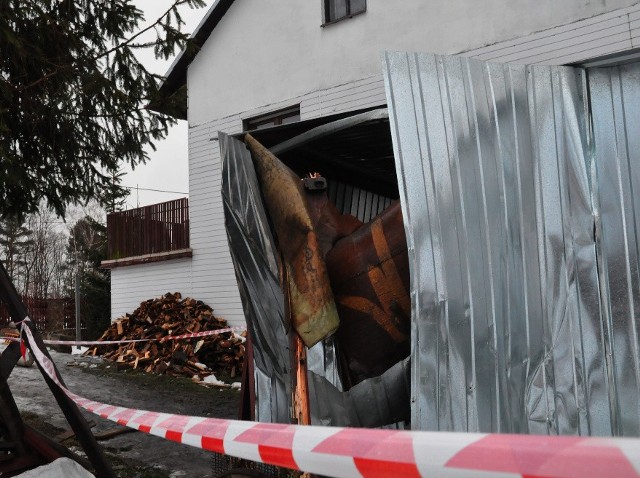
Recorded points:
176,76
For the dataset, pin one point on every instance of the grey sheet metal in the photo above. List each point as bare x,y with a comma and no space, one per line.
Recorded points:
254,257
615,103
494,165
374,402
329,129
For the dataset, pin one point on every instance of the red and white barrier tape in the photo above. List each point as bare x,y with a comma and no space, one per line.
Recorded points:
166,338
350,452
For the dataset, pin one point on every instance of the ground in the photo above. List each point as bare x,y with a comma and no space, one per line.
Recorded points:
132,454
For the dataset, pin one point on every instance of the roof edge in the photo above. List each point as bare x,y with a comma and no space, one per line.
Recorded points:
176,76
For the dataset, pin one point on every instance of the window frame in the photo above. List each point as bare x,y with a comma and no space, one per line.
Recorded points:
325,13
277,117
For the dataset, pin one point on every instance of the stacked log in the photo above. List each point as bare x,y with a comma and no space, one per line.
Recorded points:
171,315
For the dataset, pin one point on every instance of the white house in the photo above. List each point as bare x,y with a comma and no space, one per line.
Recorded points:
267,62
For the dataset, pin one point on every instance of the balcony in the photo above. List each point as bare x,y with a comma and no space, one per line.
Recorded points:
148,234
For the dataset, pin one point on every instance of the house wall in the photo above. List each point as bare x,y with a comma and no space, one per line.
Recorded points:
221,81
249,67
264,51
131,285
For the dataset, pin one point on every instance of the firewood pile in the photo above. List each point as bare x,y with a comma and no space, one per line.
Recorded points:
202,359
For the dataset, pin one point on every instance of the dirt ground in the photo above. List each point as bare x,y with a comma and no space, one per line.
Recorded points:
133,454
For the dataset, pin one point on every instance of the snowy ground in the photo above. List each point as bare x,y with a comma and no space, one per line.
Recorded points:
134,454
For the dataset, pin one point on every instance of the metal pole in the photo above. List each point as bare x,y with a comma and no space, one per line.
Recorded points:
78,332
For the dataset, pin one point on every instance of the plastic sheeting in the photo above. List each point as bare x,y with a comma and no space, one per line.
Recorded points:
523,304
56,469
254,257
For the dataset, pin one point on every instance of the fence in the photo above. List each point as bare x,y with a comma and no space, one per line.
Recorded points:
47,314
151,229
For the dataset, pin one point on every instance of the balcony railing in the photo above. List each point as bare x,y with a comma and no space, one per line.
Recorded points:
147,230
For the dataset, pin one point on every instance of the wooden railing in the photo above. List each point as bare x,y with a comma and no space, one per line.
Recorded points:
151,229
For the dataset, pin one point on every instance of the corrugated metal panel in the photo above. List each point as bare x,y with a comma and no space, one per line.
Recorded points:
256,267
492,162
362,204
615,100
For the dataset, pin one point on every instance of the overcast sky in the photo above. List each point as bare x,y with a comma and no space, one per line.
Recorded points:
167,168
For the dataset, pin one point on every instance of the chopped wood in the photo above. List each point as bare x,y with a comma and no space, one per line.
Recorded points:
169,315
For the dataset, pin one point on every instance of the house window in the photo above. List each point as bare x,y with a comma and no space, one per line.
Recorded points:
336,10
276,118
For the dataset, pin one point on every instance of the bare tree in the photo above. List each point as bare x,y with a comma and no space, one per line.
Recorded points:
45,259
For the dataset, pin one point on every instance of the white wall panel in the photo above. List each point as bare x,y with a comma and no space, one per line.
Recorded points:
131,285
212,271
250,58
578,41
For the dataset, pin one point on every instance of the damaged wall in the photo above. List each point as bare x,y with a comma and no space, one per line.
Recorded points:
521,225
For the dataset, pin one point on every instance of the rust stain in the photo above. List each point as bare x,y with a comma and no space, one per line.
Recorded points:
389,283
360,304
313,309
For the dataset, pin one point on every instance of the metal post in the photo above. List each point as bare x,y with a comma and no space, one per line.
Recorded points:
78,332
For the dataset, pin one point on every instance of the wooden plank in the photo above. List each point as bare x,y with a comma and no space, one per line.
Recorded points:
113,432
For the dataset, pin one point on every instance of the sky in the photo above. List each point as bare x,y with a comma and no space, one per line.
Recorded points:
167,169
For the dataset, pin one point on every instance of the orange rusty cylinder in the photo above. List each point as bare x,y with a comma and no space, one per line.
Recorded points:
369,273
313,310
329,223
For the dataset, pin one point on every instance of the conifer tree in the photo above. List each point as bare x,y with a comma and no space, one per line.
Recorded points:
86,249
74,97
115,196
15,239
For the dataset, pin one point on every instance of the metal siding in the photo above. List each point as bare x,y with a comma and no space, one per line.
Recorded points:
352,96
362,204
507,330
577,41
257,274
615,97
212,270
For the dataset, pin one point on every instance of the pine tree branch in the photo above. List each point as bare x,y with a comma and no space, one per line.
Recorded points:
127,42
158,21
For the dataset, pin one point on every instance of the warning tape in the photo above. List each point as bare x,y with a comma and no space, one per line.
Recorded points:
351,452
166,338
